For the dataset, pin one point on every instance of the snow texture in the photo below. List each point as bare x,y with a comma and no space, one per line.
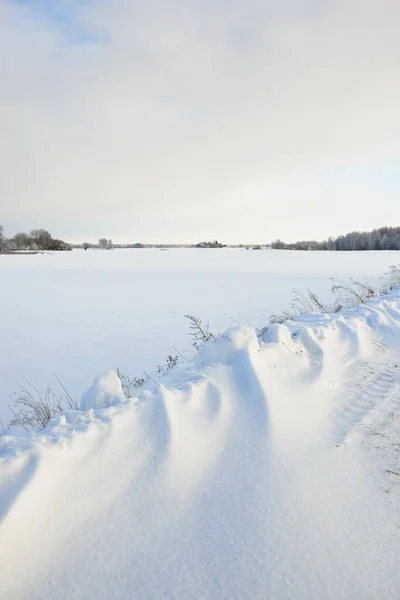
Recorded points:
105,392
267,467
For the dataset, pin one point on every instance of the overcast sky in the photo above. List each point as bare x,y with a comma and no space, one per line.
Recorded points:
184,120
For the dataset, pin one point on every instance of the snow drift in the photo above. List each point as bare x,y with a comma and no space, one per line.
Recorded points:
265,468
106,391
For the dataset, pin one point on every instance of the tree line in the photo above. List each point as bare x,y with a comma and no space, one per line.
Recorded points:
37,239
384,238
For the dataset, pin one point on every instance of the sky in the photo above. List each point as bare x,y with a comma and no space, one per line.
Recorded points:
171,121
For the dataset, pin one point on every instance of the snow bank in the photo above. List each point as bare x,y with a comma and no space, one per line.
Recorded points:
105,391
250,472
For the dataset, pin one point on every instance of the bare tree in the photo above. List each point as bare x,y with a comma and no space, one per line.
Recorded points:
22,241
199,331
41,238
2,238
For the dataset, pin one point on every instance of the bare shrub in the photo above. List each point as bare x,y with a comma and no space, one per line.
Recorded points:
199,331
352,294
129,384
302,304
285,315
346,295
172,361
392,277
33,409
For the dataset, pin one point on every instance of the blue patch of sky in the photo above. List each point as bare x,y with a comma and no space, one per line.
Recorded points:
65,15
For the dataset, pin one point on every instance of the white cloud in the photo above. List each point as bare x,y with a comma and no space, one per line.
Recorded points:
177,120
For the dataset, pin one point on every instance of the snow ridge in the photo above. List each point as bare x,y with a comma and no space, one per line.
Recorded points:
251,472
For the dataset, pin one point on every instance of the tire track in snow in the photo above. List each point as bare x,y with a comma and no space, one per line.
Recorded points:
379,434
371,390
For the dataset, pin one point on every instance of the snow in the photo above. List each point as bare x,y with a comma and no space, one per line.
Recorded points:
266,467
105,391
81,313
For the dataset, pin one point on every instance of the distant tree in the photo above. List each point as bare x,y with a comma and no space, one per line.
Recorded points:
38,239
376,239
41,238
85,245
278,245
103,243
2,238
22,241
214,244
384,242
384,238
331,245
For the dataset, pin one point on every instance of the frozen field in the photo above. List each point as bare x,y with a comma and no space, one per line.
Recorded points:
80,313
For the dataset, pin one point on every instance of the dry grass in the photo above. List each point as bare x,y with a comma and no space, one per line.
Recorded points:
33,409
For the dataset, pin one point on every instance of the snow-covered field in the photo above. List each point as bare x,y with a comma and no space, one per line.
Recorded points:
267,467
80,313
